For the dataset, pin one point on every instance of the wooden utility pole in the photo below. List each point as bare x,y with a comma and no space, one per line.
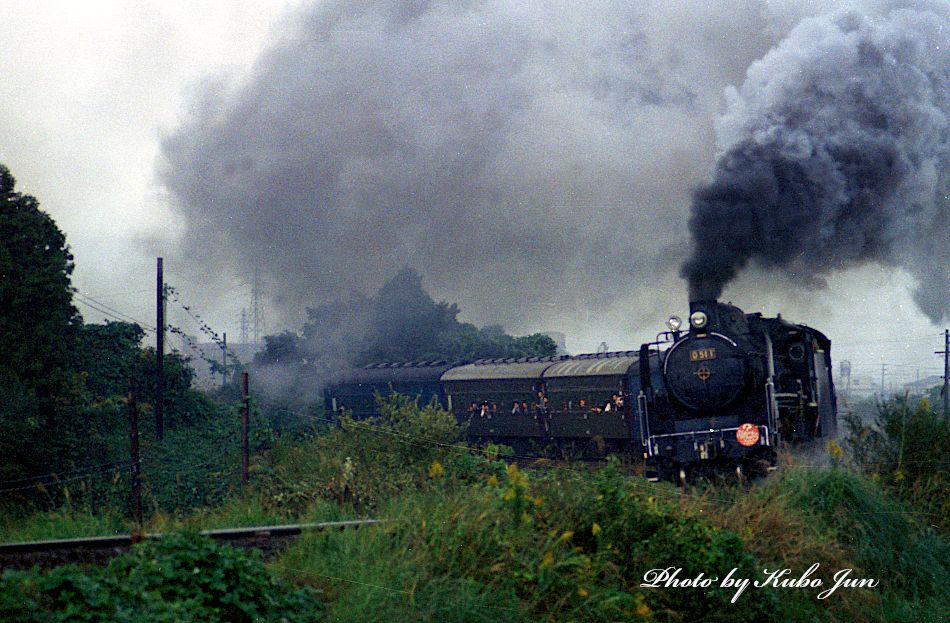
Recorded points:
224,359
134,454
245,425
160,353
946,372
883,393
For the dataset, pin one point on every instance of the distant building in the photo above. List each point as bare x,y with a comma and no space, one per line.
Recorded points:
858,387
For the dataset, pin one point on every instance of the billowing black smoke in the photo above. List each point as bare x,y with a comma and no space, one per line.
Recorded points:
835,152
529,159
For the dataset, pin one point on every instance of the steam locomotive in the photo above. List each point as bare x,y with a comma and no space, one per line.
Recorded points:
725,392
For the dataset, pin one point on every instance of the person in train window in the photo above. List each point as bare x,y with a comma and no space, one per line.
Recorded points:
524,407
608,406
494,408
582,405
515,408
485,411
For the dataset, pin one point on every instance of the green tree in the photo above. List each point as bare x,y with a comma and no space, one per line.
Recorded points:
402,322
107,356
38,325
283,348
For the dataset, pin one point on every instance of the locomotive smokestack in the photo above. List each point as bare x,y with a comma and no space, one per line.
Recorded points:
835,153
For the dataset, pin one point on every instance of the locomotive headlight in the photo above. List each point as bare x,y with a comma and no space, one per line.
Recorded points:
674,323
698,320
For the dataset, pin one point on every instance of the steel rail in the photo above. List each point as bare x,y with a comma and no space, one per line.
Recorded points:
99,548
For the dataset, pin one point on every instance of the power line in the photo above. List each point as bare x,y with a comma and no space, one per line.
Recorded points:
113,295
53,476
115,316
108,310
909,338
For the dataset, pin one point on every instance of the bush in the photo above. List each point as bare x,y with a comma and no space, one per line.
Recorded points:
558,547
905,449
181,578
363,463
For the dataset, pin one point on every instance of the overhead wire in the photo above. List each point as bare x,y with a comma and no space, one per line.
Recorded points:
112,312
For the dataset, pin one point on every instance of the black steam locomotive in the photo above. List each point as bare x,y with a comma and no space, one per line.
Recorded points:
724,392
730,389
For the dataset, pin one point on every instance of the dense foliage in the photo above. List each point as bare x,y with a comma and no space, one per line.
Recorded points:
178,579
64,417
471,538
474,539
38,327
904,447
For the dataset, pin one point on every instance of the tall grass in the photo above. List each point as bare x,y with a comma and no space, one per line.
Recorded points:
905,449
472,539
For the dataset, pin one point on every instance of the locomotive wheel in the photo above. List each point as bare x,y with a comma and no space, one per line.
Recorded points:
757,465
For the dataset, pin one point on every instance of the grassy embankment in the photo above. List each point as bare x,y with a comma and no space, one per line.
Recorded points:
471,539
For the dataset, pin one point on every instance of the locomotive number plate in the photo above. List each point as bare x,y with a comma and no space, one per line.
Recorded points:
702,354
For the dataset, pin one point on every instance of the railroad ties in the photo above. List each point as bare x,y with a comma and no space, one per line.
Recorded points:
99,550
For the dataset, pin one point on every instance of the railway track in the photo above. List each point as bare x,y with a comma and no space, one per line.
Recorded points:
99,550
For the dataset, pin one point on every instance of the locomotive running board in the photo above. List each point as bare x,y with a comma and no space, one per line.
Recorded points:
652,444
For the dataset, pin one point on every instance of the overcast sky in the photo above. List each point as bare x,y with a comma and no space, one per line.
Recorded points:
585,130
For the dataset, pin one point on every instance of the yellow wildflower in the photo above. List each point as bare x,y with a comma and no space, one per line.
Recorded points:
538,501
582,592
509,495
568,534
595,529
548,559
436,470
493,481
835,450
515,475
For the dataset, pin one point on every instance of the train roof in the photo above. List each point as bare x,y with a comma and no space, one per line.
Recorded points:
520,368
601,364
396,372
